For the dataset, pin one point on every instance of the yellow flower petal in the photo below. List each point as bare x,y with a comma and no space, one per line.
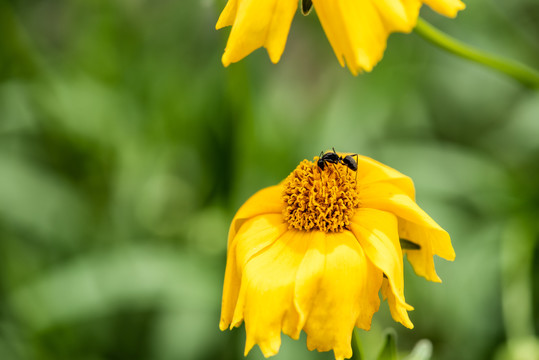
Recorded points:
376,231
231,288
398,15
394,306
355,30
422,260
417,226
254,236
267,291
265,201
228,15
345,294
310,271
257,23
372,171
446,7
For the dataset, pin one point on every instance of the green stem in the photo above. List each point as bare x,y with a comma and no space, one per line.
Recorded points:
520,72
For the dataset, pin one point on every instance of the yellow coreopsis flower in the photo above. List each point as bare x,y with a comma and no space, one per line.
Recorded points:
313,253
357,29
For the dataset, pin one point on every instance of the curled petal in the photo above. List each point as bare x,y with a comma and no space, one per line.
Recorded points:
377,234
344,293
265,201
255,24
267,291
231,288
414,224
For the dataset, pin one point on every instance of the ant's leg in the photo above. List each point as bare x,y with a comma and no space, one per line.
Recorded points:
321,168
337,171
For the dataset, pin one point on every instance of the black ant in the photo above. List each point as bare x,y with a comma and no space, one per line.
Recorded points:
334,158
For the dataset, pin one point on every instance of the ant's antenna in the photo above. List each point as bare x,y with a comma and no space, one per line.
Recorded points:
357,161
335,166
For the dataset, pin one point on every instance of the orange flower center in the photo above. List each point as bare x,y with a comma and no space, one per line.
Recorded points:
317,199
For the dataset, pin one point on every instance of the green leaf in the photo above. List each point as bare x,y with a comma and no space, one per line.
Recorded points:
356,347
422,351
408,245
389,350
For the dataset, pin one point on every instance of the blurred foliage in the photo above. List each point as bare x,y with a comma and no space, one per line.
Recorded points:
126,148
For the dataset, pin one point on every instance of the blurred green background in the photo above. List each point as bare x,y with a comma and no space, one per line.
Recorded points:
126,148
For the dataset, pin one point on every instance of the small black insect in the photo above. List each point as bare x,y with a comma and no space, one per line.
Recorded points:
349,161
334,158
329,157
306,6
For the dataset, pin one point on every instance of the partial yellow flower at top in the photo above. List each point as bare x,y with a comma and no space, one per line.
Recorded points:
314,252
357,29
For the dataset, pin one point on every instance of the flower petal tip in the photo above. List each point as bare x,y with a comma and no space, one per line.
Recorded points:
269,347
248,346
275,56
406,322
225,60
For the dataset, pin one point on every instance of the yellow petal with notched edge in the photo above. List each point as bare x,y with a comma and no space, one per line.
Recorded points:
344,293
377,234
258,23
417,223
422,260
448,8
265,201
255,235
371,171
267,291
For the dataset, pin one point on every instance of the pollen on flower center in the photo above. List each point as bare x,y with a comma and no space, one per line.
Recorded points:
317,199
